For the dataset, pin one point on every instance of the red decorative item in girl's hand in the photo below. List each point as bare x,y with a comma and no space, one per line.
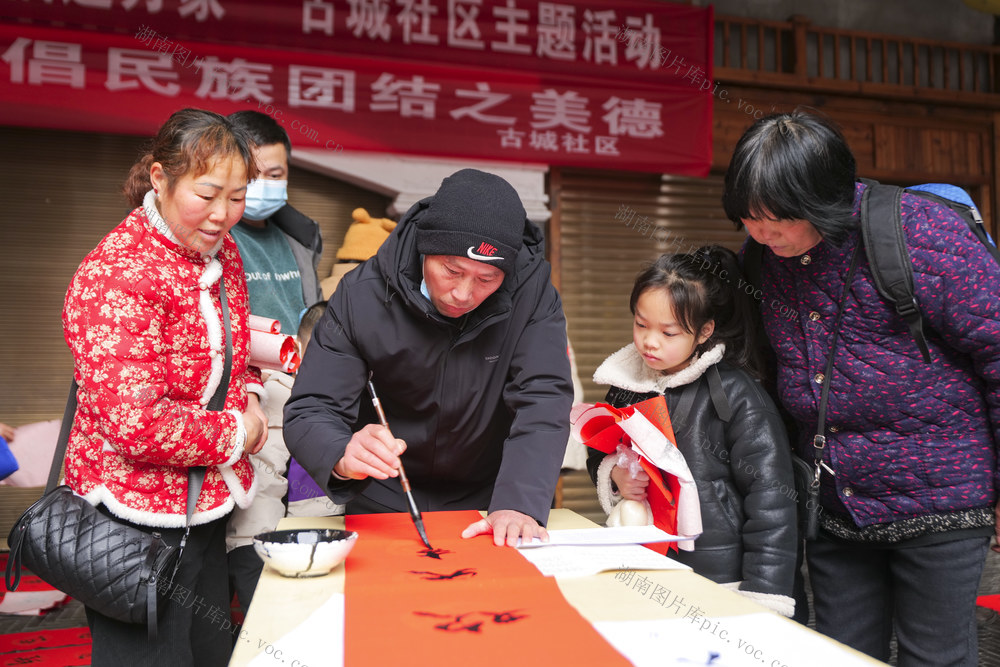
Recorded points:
645,426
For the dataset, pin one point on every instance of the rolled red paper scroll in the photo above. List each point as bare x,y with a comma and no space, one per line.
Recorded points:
265,324
271,351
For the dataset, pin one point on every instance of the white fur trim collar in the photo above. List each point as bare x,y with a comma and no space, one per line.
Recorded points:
627,370
101,495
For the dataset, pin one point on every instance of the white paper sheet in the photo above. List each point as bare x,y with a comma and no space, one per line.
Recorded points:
583,561
30,603
603,536
318,640
751,640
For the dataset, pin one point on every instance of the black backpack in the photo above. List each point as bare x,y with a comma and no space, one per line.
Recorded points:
885,244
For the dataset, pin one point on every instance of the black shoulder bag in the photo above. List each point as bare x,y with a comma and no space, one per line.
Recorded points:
114,568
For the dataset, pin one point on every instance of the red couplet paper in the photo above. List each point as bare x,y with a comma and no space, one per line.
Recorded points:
665,488
602,433
45,639
466,602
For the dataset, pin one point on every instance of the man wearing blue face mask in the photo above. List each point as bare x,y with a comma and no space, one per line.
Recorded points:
280,247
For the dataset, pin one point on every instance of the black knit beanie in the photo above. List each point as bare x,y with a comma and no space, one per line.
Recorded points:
474,214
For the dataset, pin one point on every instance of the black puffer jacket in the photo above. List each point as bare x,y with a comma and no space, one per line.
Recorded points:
741,463
482,402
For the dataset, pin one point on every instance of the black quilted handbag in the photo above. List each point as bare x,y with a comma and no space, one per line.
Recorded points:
111,567
114,568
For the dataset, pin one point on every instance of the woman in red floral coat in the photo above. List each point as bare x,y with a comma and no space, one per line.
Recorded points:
143,319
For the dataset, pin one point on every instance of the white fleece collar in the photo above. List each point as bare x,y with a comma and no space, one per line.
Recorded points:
627,370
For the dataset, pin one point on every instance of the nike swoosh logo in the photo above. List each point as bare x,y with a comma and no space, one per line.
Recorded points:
481,258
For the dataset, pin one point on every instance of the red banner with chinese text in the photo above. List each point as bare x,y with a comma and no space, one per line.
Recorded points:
621,86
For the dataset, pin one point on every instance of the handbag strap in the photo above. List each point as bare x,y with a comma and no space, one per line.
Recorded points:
67,425
819,440
196,474
219,399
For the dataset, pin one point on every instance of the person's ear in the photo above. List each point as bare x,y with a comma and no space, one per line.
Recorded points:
158,177
706,331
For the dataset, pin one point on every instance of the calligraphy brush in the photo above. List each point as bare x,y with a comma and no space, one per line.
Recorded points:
418,520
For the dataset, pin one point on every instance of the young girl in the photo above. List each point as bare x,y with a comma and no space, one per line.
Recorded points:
693,341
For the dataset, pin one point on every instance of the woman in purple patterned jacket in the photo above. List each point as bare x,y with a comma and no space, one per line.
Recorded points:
909,474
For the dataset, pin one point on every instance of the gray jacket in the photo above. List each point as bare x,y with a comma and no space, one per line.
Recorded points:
302,234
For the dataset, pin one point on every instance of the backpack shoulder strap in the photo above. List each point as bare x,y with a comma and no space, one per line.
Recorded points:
888,255
715,391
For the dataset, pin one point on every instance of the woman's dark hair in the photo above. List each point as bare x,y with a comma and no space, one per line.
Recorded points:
703,286
263,129
190,142
793,166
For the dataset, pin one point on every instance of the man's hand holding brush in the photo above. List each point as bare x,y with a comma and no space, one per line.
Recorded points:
371,452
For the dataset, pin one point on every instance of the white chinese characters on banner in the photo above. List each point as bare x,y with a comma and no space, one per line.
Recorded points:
415,20
511,24
644,49
412,99
199,10
585,83
321,87
550,141
463,28
502,27
235,81
601,44
129,69
552,109
487,100
55,63
317,16
59,63
368,17
556,31
634,118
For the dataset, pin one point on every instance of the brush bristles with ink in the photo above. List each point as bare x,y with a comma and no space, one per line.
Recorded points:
418,520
